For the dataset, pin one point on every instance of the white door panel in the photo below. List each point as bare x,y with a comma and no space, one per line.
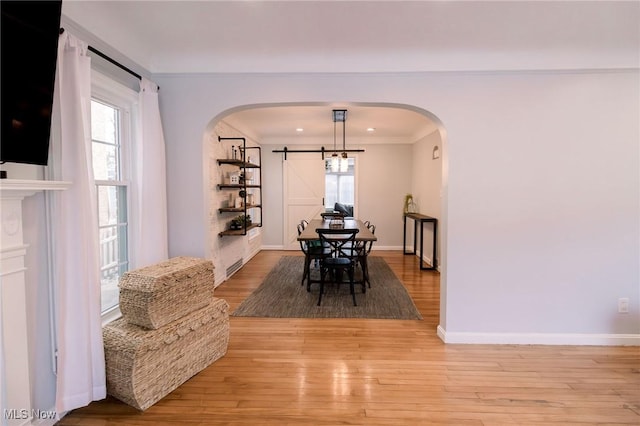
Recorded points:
303,193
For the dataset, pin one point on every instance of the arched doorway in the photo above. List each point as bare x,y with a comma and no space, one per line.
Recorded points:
392,164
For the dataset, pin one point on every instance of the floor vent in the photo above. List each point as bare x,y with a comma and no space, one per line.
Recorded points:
234,268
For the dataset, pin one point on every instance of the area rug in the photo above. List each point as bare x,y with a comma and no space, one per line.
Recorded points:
281,296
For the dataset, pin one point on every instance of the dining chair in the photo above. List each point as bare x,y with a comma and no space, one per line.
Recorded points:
363,255
343,259
313,251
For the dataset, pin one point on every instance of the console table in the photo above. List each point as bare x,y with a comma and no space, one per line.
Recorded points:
420,219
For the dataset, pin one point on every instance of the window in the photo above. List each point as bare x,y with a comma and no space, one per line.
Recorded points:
111,140
339,186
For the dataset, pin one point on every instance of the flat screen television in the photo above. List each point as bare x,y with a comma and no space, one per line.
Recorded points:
29,43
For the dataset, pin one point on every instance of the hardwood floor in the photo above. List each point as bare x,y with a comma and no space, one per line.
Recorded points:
385,372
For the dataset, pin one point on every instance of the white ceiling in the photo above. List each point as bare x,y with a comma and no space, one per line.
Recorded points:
363,36
278,124
360,36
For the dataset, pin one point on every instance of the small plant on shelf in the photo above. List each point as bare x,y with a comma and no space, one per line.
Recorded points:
240,221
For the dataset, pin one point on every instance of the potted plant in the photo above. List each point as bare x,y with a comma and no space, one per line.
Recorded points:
409,206
240,221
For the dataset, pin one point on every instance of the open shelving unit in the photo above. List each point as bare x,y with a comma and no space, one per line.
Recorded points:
242,164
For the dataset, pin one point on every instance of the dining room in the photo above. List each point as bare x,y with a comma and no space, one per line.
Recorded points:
300,184
359,161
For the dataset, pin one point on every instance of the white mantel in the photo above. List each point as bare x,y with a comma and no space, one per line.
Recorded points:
15,394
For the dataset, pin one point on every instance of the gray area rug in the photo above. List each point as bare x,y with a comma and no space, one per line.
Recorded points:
281,295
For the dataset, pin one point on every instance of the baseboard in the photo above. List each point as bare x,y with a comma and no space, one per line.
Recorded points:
572,339
389,248
280,247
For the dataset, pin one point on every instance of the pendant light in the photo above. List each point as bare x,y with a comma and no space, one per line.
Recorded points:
335,160
341,164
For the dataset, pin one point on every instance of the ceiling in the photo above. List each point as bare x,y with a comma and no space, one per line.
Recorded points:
168,37
279,124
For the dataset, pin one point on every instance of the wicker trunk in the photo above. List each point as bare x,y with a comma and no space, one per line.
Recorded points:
145,365
158,294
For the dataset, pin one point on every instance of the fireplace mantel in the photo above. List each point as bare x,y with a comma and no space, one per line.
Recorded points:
14,349
26,187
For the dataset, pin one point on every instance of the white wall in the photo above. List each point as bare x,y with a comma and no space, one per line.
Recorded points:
384,177
426,188
541,200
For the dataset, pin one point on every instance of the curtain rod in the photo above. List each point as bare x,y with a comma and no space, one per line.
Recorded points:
113,61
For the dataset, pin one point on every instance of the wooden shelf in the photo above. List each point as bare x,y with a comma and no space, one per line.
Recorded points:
238,163
242,231
239,209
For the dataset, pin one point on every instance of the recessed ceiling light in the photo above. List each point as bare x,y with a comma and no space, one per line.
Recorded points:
299,129
371,129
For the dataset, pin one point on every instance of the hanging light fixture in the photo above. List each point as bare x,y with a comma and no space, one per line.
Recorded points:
343,163
335,160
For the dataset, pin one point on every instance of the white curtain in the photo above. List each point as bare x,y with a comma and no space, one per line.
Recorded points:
3,381
75,246
149,185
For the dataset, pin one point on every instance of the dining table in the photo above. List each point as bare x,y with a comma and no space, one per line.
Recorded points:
310,232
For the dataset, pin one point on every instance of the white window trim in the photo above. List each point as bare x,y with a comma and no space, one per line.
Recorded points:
110,91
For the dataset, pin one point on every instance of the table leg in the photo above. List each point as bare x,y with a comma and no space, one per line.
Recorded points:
422,244
404,235
435,239
415,236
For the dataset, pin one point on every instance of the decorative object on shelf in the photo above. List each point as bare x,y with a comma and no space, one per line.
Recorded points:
409,205
436,152
240,221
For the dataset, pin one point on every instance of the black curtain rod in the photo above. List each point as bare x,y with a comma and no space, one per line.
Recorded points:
113,61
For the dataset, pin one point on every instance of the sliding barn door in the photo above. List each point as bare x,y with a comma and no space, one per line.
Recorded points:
303,193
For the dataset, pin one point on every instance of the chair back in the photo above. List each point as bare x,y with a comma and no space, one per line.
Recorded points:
303,244
340,241
369,244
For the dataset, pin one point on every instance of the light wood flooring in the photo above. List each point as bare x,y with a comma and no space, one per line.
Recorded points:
385,372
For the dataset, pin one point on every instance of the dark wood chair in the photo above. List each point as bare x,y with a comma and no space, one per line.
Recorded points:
344,257
313,251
